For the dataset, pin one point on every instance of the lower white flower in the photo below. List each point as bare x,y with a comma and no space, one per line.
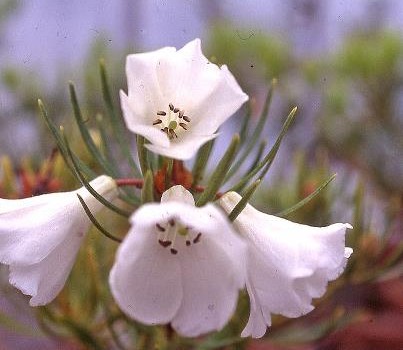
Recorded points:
288,264
179,264
40,237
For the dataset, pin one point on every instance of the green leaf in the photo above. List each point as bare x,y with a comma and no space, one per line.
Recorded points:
244,200
268,159
118,125
147,192
218,176
200,164
304,201
256,132
96,223
89,142
142,154
87,185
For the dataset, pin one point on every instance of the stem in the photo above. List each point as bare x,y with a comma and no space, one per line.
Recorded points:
138,183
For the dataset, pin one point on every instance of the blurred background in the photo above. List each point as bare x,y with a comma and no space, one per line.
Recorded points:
340,62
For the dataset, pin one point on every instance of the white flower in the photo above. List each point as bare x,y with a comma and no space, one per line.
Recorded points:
178,99
40,237
179,264
288,264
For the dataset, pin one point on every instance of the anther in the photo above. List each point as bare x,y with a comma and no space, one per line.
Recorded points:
183,125
188,242
174,251
176,110
172,133
172,222
197,239
160,228
161,113
157,121
181,113
171,107
186,118
164,243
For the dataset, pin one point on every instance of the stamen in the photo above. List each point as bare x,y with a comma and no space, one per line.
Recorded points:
186,118
160,228
181,113
174,251
161,113
172,133
157,121
164,243
197,239
171,107
188,243
172,222
183,125
176,110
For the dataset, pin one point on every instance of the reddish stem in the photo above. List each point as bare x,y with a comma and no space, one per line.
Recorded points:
138,183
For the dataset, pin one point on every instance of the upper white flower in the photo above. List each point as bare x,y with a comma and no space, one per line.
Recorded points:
288,264
40,237
179,264
178,99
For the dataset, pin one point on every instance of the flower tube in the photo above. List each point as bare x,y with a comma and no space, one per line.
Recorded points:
40,237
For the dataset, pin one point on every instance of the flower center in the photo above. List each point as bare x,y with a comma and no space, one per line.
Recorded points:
169,231
169,121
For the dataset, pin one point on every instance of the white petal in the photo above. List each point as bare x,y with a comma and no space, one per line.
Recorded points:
142,127
195,288
40,237
208,94
178,193
224,100
45,279
143,85
210,290
288,265
183,149
145,279
31,228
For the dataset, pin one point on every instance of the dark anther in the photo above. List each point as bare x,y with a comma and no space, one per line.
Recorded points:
186,118
157,121
172,133
174,251
161,113
172,222
183,125
188,243
181,113
197,239
159,227
176,110
171,107
164,243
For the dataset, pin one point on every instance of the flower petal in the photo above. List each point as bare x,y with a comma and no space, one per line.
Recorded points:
288,263
45,279
145,279
178,193
210,290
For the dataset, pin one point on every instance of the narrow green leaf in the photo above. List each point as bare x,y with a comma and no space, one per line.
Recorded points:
304,201
96,223
147,192
200,164
268,159
87,185
219,173
142,154
60,143
244,200
258,156
256,132
89,142
118,126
